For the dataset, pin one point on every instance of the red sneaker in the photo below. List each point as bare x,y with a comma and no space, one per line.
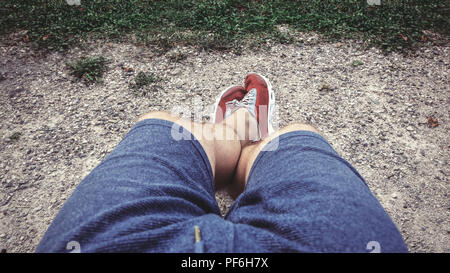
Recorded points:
221,111
261,102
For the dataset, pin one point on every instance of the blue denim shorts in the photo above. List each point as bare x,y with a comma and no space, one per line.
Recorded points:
151,191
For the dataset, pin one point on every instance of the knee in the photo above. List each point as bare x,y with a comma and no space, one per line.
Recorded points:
300,127
157,115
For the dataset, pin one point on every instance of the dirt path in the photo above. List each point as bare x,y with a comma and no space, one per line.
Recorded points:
373,112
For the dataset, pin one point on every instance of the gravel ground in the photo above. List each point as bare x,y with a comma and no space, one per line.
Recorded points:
374,114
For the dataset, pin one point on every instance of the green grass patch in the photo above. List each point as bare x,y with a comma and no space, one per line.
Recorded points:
89,69
144,83
223,24
357,63
15,136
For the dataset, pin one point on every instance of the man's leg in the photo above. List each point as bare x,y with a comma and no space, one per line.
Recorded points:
302,196
251,150
150,192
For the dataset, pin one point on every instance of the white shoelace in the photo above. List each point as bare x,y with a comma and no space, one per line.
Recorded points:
248,102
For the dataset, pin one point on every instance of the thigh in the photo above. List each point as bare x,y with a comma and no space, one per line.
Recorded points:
147,195
302,196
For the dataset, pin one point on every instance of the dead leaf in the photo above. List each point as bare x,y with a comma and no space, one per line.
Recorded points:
339,44
46,37
404,37
26,38
432,122
128,69
423,38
